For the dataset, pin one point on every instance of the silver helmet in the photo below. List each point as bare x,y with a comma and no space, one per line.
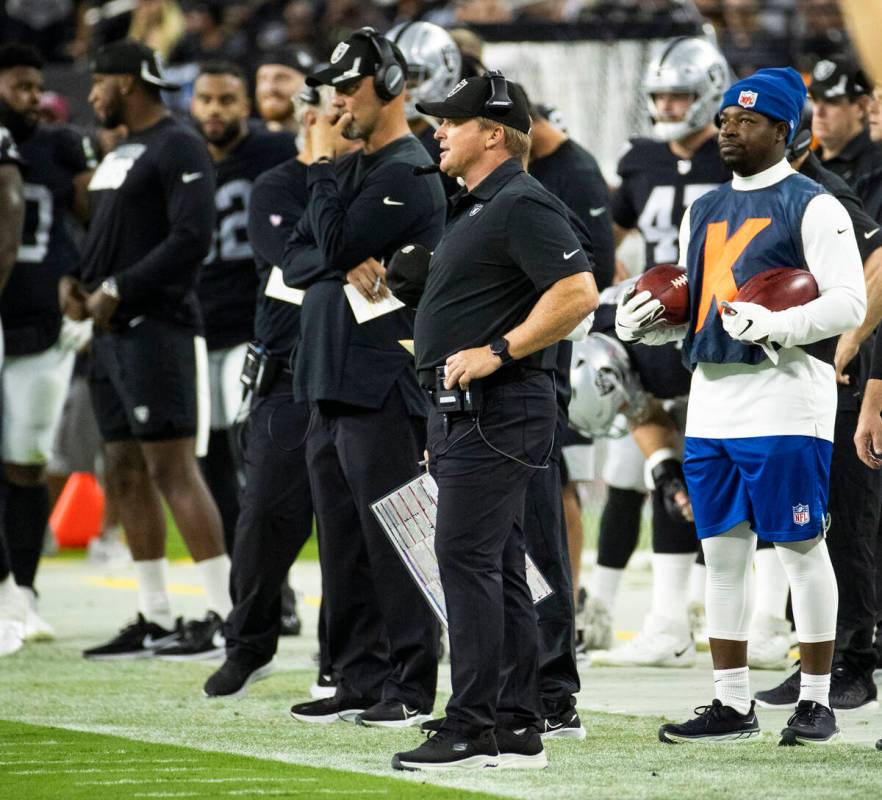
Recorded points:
606,393
687,65
433,60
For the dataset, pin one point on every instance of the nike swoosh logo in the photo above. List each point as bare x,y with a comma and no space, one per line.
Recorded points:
387,201
747,327
677,655
568,256
189,177
596,212
841,231
549,726
868,234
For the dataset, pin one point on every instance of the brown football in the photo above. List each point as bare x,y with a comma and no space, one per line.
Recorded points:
667,283
779,288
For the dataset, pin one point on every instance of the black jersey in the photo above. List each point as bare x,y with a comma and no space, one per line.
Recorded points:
278,200
657,188
52,158
152,223
227,284
8,151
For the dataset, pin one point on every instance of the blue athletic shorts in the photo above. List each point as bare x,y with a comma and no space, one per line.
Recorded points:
779,484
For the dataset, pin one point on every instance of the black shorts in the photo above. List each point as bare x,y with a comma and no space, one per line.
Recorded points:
143,382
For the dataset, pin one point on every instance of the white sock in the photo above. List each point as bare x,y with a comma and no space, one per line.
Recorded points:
153,599
732,688
697,583
771,586
815,687
603,584
215,574
670,583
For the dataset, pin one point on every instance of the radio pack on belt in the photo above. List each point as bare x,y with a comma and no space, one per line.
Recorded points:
260,370
450,401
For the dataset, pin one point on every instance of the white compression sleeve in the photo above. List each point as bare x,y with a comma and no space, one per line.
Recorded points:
813,588
728,603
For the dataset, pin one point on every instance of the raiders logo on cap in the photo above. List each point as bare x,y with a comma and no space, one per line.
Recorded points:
823,70
456,88
339,51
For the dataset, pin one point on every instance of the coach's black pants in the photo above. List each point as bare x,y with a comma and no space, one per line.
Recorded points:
274,522
382,637
479,541
854,507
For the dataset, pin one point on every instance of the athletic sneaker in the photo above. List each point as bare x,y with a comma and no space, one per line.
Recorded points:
233,678
446,749
769,642
698,626
811,723
13,611
850,691
593,624
324,686
36,629
330,709
520,749
199,640
784,695
661,643
564,726
714,723
433,725
139,639
392,714
11,636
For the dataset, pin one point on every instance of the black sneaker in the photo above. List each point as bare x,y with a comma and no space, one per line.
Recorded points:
784,695
139,639
233,678
446,749
811,723
391,714
564,726
199,640
520,749
329,709
324,686
850,691
433,725
714,723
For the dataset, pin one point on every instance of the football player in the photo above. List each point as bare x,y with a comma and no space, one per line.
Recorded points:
279,78
57,166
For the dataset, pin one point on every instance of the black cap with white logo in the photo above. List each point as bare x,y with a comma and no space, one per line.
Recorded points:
355,57
128,57
490,96
838,77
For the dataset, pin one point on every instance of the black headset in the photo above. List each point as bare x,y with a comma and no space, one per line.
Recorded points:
389,79
499,99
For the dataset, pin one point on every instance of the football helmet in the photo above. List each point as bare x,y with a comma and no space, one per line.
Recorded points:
687,65
606,392
433,61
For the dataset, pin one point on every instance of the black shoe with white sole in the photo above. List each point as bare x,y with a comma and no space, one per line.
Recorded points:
564,726
392,714
199,640
139,639
330,709
433,725
811,723
234,677
851,691
448,749
713,723
520,749
784,695
324,686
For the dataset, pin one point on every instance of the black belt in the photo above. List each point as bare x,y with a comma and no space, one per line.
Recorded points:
504,375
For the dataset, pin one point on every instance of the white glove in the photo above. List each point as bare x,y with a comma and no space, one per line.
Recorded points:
581,331
75,336
752,323
637,320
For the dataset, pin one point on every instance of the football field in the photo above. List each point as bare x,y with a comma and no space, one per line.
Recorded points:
77,729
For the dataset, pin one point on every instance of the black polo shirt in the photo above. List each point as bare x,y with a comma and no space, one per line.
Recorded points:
505,243
860,165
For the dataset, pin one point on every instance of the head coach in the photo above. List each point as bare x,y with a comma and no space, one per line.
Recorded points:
507,281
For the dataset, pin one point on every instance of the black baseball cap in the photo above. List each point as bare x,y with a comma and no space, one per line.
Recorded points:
352,59
475,97
290,56
837,77
128,57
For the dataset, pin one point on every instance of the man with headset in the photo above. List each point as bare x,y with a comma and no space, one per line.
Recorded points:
507,281
366,431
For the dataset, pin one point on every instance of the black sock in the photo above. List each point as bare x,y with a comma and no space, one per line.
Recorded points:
220,471
27,514
619,527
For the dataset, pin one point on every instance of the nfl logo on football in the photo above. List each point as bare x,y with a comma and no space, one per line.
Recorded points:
747,99
801,514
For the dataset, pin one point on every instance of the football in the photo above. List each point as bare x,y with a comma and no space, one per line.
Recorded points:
779,288
667,283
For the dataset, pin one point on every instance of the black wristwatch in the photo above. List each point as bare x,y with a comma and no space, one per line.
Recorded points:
499,347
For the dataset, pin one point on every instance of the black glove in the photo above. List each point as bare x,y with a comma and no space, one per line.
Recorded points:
668,478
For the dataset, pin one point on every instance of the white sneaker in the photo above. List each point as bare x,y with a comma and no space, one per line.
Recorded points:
698,626
109,548
36,629
768,643
13,609
593,626
11,636
661,643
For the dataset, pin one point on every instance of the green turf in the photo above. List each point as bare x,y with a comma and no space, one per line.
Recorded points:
40,762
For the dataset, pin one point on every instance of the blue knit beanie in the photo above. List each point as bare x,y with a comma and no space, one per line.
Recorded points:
777,93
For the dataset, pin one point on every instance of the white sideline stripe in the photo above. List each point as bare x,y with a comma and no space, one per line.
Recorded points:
98,769
70,761
246,777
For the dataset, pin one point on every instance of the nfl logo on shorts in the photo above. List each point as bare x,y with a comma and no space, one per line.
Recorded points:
801,514
747,99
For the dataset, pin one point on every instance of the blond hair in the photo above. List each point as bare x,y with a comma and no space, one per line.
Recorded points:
516,142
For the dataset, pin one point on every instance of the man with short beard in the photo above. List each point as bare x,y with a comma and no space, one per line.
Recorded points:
279,77
57,165
227,285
